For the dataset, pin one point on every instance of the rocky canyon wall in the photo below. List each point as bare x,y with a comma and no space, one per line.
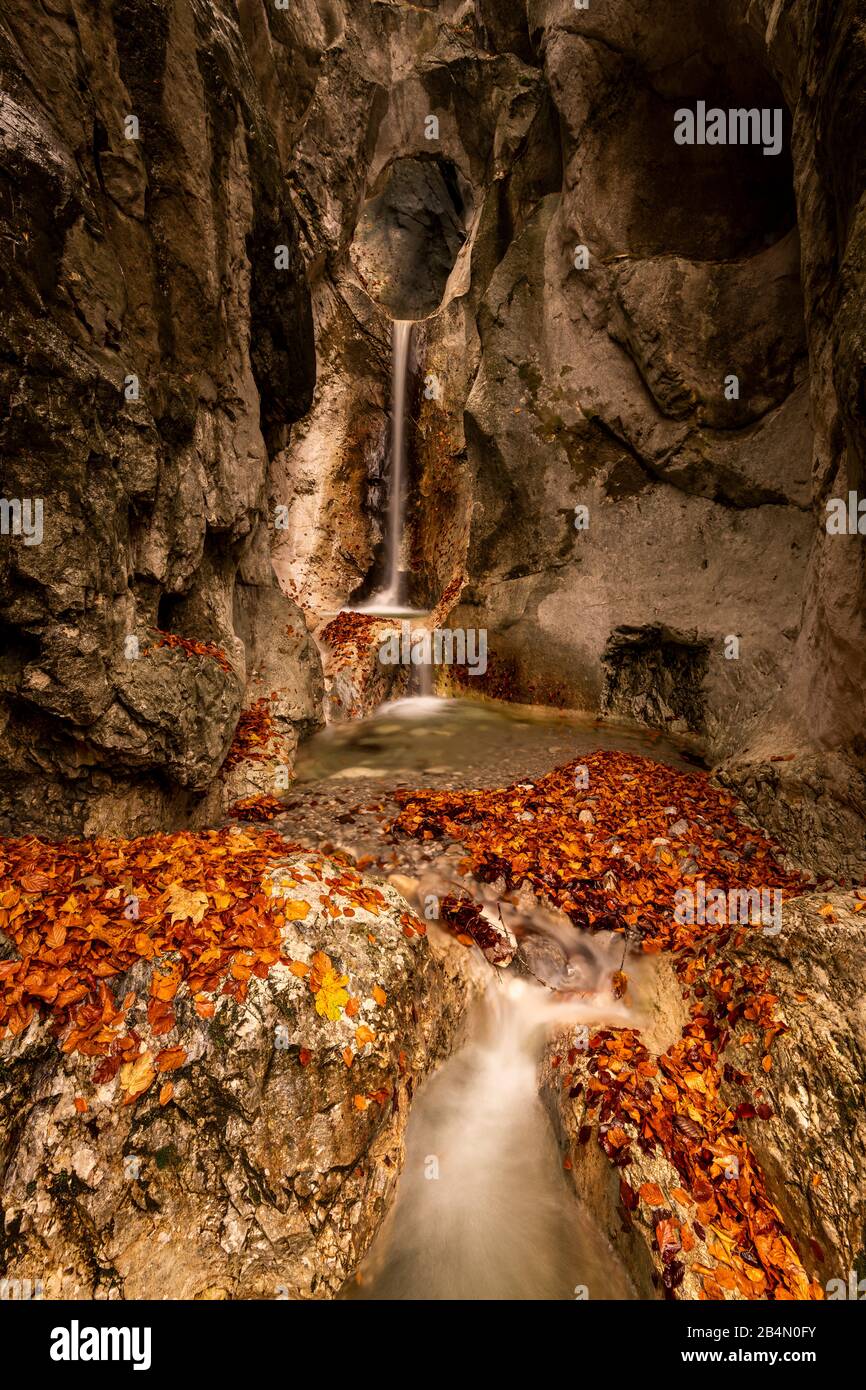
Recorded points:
157,342
643,379
637,536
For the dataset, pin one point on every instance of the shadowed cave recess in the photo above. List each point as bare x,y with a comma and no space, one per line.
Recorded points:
419,314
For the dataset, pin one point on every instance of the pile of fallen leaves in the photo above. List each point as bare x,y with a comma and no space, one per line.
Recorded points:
609,839
673,1104
192,648
257,808
349,636
461,916
605,855
81,912
254,734
207,910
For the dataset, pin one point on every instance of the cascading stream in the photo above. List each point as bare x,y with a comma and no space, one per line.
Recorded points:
483,1209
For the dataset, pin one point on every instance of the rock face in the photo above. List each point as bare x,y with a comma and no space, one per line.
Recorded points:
798,1140
581,446
812,1147
156,344
267,1171
627,347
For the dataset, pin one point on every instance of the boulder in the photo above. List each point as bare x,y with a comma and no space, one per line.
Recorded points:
251,1153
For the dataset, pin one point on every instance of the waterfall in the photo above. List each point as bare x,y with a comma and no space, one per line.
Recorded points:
391,595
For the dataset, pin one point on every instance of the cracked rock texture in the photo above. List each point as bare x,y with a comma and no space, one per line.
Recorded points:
810,1148
156,345
267,1173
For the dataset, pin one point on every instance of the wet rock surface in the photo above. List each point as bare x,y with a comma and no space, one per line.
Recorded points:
610,285
637,538
547,379
812,1147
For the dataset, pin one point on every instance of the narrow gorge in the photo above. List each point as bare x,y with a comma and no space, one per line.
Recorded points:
432,616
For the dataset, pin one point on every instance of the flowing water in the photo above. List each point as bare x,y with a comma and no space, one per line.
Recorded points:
483,1208
390,598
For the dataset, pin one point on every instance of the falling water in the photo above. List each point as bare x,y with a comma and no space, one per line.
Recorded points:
391,595
483,1208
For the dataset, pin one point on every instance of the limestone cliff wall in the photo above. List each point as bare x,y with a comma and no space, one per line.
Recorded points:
156,346
459,153
705,593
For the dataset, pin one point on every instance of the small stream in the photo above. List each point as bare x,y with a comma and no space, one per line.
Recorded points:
484,1209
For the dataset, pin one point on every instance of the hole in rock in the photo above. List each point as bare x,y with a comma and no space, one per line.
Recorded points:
17,649
167,613
410,233
655,676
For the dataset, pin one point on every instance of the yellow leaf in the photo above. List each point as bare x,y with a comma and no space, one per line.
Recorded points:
182,903
332,995
294,909
136,1076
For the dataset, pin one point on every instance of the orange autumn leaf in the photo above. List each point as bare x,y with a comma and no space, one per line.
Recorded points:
170,1058
164,987
652,1194
645,1100
348,1056
166,1092
55,936
364,1035
380,996
136,1076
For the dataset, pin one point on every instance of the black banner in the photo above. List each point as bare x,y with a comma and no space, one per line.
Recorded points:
63,1339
